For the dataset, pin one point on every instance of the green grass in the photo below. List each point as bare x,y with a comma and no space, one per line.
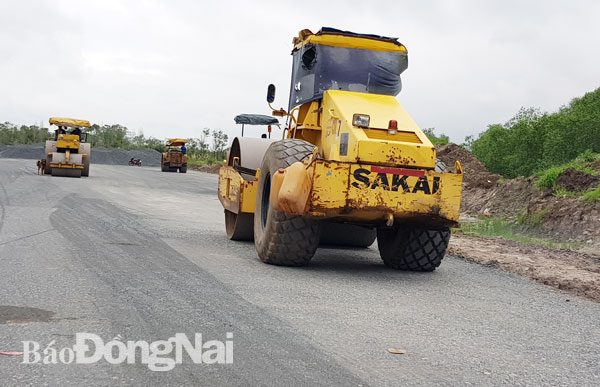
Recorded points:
537,218
501,227
548,177
592,196
203,160
561,192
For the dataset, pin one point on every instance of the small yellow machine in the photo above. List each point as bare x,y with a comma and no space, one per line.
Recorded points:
175,157
69,153
351,167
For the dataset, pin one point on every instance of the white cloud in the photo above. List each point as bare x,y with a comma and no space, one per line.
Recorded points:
175,67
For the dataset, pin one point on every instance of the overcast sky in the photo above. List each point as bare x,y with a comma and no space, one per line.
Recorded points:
171,68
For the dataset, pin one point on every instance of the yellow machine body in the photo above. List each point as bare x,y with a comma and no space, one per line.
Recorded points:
173,159
69,122
67,141
68,154
352,192
374,173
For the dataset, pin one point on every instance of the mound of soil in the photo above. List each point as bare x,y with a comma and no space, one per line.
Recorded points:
476,174
206,168
543,213
574,180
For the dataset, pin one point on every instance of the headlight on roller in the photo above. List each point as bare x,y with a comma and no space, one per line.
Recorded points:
361,120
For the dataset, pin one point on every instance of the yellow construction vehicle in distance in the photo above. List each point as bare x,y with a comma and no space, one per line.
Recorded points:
175,158
68,154
352,165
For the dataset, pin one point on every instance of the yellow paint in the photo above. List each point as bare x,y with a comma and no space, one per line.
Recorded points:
409,147
63,121
174,157
276,183
334,195
67,166
236,194
352,42
248,196
176,142
294,190
67,141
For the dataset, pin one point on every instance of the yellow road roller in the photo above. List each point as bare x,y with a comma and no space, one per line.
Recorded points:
68,154
352,165
175,158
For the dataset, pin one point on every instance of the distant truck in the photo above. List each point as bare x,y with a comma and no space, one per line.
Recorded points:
174,158
68,154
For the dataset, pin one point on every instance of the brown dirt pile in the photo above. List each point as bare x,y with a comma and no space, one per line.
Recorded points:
573,180
566,270
557,217
206,168
475,173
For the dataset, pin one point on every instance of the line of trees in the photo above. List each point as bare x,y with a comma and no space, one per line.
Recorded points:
533,141
11,134
210,147
435,139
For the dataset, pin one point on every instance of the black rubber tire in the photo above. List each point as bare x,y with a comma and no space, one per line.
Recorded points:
86,167
346,235
412,249
48,168
66,172
279,238
239,227
183,169
163,167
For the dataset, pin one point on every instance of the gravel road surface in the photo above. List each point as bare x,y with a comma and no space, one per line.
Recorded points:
140,255
149,157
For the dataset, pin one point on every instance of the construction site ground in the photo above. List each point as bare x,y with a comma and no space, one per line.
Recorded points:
119,254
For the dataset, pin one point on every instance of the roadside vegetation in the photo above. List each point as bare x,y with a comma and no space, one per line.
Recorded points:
547,145
532,141
435,139
518,230
208,149
582,163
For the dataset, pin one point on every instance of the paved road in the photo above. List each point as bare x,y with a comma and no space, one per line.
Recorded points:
140,254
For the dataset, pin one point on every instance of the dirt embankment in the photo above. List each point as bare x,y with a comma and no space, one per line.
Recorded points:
563,269
544,213
206,168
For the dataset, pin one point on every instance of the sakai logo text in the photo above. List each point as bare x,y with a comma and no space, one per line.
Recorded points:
392,182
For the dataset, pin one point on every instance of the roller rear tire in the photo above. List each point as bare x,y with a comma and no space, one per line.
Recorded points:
412,249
